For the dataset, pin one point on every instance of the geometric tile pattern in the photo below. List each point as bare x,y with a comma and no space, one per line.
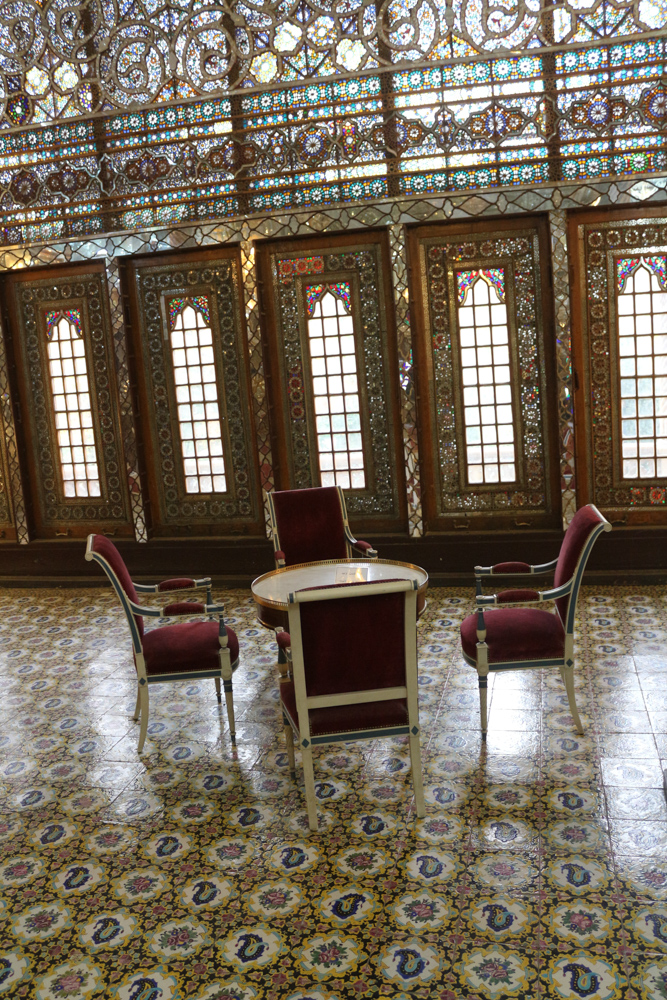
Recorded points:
539,870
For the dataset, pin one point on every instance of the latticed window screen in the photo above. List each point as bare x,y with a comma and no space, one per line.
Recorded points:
196,387
333,363
642,349
70,393
485,371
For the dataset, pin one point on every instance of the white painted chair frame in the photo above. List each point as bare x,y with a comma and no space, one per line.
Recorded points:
564,663
301,727
212,611
350,540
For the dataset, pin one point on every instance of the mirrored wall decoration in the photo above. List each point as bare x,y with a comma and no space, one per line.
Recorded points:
621,361
485,370
193,389
331,341
66,381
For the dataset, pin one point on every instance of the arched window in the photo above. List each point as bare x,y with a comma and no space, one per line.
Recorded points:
485,370
333,362
642,349
70,390
196,395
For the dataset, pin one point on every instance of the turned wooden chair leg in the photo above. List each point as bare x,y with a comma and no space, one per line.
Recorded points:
483,680
289,745
567,673
309,783
217,689
417,784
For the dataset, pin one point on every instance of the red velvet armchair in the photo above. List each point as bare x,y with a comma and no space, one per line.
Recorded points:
311,525
180,652
517,638
351,655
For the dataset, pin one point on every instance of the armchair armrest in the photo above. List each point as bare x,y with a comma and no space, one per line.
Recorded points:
365,548
522,597
279,556
515,569
183,608
178,583
283,640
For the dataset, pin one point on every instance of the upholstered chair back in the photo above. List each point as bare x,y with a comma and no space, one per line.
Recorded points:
574,545
310,524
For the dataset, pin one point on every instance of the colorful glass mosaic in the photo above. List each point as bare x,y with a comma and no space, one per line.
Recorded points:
494,277
72,316
288,269
178,304
341,290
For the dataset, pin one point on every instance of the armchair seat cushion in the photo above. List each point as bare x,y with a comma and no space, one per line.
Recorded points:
347,718
516,634
187,646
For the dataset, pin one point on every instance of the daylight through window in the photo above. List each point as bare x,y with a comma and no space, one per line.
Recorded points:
335,386
70,390
197,395
642,348
485,367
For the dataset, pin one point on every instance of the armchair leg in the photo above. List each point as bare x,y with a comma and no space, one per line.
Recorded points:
416,765
567,673
309,783
229,702
483,678
217,689
137,707
289,745
143,699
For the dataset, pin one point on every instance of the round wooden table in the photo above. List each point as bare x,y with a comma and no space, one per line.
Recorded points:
271,591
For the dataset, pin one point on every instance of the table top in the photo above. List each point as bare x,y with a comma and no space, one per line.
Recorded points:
273,589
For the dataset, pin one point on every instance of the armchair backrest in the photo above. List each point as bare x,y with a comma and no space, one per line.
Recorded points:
309,525
105,553
353,637
579,539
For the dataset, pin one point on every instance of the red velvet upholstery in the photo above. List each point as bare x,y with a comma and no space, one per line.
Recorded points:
283,640
516,596
310,524
353,643
516,634
511,567
364,546
178,583
576,536
347,718
184,608
187,646
105,548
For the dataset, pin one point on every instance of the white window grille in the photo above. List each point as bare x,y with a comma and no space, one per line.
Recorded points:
197,395
70,390
485,367
335,385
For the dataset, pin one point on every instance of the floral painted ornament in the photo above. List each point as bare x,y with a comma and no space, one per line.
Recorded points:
373,824
572,800
650,926
193,811
232,989
423,911
580,922
73,981
274,899
499,916
41,922
85,802
361,861
504,870
298,823
340,762
653,979
252,947
142,883
574,834
18,871
10,827
495,972
153,985
328,956
178,939
231,852
13,967
409,963
439,829
297,856
32,798
214,782
133,807
206,893
53,834
348,905
250,817
107,930
431,866
508,797
181,753
111,840
582,975
162,777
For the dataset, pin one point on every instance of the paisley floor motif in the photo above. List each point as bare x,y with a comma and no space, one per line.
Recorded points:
190,873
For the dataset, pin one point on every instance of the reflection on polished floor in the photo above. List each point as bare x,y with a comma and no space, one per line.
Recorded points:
539,871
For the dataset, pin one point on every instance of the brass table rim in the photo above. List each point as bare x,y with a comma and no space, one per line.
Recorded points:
283,605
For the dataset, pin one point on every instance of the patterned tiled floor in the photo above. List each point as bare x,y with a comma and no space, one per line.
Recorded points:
539,871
